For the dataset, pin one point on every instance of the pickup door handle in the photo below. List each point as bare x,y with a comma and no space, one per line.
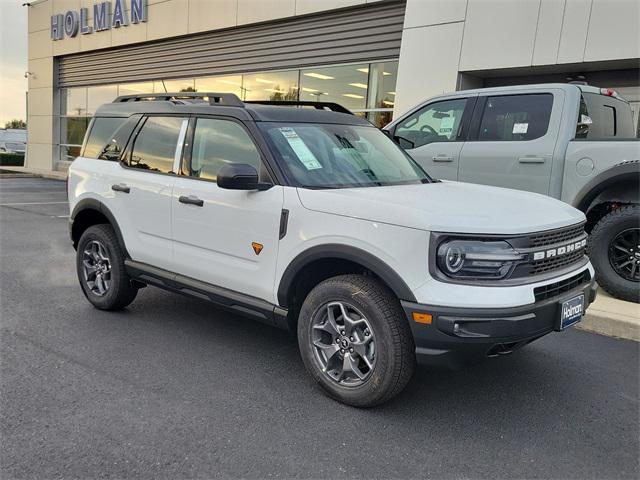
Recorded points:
442,158
120,187
531,160
191,200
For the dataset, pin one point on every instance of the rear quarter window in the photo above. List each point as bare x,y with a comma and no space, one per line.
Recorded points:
108,136
602,116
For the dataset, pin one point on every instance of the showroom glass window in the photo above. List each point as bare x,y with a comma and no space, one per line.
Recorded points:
217,143
516,117
73,121
367,89
155,145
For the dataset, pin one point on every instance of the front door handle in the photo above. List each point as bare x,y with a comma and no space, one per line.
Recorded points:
120,187
191,200
442,158
531,160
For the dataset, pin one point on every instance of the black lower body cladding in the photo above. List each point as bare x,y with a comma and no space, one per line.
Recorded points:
460,336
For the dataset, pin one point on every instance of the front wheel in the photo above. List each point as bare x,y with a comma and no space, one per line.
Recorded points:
614,250
355,340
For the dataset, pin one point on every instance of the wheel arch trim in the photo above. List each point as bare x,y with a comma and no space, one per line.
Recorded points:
342,252
93,204
622,172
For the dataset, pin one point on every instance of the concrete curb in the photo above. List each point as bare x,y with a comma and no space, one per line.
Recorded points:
612,317
55,175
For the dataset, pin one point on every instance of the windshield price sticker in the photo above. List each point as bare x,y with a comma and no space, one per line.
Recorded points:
300,148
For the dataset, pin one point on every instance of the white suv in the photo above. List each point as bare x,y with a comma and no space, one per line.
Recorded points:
315,220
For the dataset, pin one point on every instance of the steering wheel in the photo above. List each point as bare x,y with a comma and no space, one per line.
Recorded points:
428,128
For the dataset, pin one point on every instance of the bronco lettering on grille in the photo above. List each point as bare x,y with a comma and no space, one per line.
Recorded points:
556,252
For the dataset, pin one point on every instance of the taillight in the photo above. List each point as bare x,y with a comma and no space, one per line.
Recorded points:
609,92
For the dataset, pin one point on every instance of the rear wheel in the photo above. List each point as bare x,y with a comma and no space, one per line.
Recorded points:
101,271
614,250
355,340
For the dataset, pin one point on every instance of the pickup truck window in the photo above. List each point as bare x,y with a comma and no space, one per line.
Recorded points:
436,122
155,146
516,117
605,117
217,143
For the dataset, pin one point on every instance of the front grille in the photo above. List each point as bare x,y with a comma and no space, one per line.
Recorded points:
558,288
555,263
556,236
544,241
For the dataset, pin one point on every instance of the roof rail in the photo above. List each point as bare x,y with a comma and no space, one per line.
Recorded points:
334,107
227,99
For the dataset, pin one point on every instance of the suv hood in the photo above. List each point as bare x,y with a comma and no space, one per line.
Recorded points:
452,207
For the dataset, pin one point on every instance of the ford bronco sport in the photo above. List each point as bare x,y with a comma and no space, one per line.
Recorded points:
314,220
573,142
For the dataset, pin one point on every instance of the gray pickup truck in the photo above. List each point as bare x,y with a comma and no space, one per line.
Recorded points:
572,142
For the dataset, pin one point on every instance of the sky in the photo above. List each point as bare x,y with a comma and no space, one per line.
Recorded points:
13,60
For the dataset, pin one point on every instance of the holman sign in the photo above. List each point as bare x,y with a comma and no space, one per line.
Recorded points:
104,17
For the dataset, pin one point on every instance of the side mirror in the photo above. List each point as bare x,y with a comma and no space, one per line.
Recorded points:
240,176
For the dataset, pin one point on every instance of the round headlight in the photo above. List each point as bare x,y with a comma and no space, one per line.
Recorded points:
454,259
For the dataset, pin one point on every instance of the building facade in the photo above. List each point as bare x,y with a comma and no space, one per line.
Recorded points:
376,57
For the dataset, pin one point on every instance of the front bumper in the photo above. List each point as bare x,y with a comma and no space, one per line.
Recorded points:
459,336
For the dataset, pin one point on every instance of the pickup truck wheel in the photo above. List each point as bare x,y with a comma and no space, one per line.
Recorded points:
355,340
101,271
614,250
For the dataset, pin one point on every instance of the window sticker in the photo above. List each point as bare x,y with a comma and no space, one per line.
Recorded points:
520,128
300,148
446,125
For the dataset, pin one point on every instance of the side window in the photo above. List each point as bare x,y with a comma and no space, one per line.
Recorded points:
155,146
108,137
437,122
516,117
608,117
220,142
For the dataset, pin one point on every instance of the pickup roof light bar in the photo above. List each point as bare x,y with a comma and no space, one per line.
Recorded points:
609,92
227,99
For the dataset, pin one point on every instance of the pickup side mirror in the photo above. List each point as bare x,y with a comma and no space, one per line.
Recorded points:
240,176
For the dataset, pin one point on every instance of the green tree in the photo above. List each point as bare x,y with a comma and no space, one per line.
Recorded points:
15,123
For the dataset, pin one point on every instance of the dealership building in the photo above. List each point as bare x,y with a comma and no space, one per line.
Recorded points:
376,57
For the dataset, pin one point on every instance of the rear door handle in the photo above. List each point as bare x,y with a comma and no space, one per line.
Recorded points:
442,158
191,200
120,187
531,160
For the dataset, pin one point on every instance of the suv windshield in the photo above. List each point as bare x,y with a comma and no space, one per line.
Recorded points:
340,156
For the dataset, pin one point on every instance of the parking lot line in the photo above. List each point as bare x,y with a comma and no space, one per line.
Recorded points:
30,203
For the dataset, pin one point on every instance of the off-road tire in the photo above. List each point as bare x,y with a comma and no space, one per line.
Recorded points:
394,346
121,292
601,237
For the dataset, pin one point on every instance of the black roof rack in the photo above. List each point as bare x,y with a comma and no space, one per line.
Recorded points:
227,99
334,107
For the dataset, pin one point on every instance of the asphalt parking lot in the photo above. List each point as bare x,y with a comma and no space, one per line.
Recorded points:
173,388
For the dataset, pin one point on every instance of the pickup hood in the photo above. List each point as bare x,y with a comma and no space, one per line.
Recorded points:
452,207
